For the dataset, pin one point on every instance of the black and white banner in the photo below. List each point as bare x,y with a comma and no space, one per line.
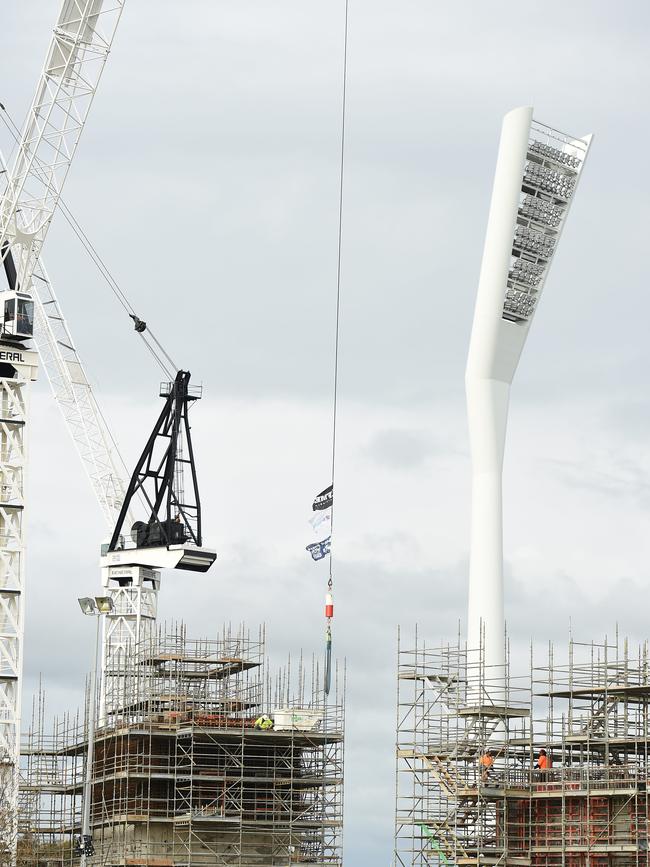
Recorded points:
324,500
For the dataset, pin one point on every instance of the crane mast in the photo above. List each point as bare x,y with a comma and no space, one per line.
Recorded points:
75,60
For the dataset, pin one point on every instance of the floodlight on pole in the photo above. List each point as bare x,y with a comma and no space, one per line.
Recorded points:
104,604
100,605
537,172
87,605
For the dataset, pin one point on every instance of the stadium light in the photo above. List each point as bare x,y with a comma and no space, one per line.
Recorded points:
538,169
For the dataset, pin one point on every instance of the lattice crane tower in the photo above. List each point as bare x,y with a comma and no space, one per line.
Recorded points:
75,59
537,172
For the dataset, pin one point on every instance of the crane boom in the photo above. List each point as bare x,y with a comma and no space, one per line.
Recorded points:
75,60
74,395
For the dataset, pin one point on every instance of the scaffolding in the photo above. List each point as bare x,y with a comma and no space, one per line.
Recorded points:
591,714
50,794
181,775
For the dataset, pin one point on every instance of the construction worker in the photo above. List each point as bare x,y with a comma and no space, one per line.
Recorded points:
543,764
264,723
486,763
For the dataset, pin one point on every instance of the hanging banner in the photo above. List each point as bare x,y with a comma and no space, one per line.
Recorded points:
319,549
321,522
324,500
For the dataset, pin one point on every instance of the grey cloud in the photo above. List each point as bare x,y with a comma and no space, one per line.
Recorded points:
628,413
401,449
561,607
610,476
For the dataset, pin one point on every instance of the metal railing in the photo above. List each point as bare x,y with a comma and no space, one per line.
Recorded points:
581,778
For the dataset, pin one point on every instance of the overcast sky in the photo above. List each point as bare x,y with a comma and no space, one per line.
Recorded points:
207,177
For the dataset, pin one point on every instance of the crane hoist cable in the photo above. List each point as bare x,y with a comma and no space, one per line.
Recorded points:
139,324
169,369
329,600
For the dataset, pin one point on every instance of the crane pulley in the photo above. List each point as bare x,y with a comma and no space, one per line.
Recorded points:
139,324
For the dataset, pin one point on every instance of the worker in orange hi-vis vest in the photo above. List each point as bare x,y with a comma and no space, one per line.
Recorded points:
486,763
543,763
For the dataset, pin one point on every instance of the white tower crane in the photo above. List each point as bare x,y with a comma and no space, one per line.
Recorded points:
134,591
537,172
74,63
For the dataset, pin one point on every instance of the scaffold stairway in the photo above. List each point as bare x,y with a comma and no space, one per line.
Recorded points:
446,849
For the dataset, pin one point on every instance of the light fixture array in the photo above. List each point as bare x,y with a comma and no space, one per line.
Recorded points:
549,178
557,156
550,181
519,304
526,272
529,241
540,211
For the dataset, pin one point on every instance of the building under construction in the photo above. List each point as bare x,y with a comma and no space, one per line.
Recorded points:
181,776
548,768
592,716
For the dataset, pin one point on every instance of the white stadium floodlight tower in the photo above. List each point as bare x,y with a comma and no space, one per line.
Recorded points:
537,172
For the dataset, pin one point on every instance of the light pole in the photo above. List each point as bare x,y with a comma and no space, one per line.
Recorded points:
92,608
538,169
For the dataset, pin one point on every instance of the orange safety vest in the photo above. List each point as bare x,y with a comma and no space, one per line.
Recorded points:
543,763
486,761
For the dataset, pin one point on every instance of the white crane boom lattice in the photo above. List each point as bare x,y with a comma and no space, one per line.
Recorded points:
75,397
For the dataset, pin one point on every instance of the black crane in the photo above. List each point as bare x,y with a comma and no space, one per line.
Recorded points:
174,510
